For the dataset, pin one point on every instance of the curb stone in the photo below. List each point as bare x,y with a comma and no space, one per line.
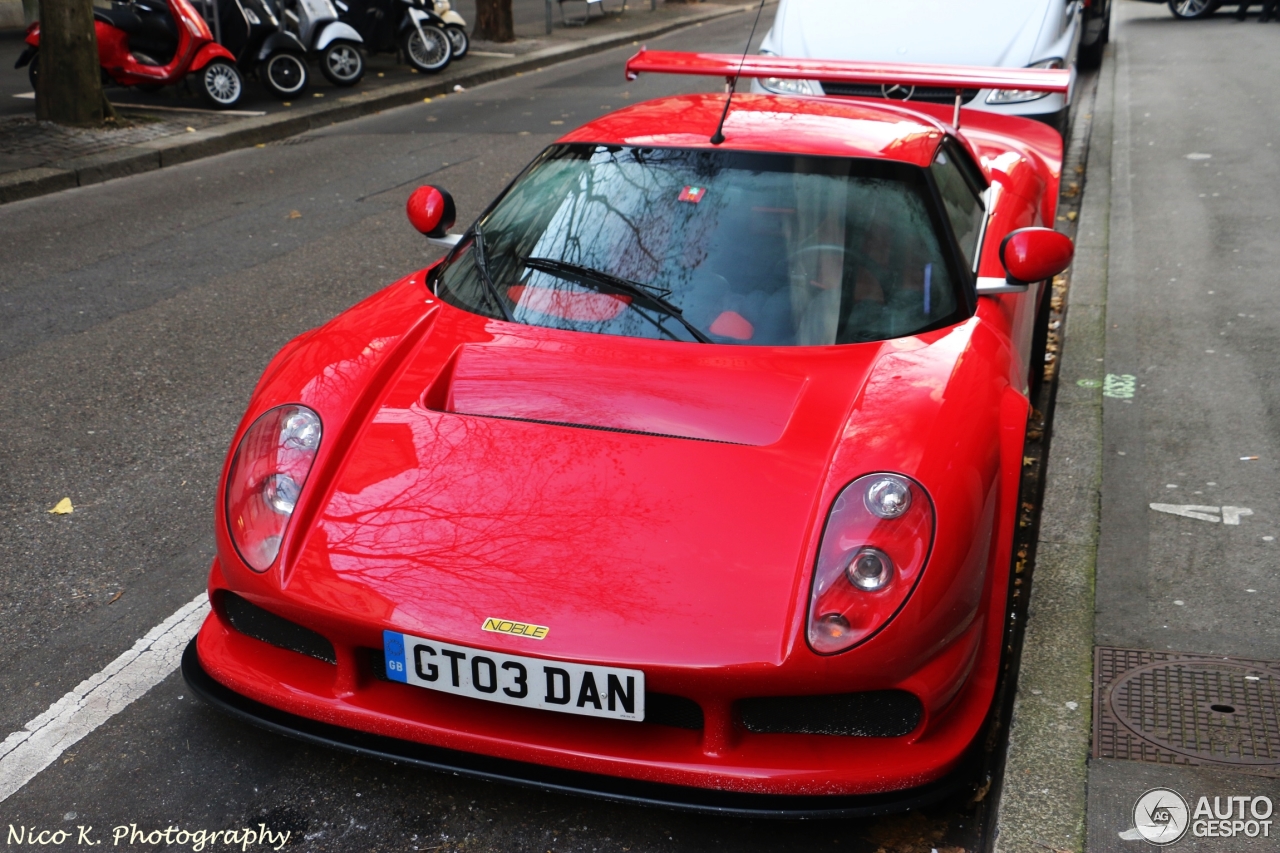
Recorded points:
1042,804
257,130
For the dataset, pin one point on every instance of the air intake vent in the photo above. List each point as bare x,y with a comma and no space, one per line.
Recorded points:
884,713
927,94
676,711
659,708
252,621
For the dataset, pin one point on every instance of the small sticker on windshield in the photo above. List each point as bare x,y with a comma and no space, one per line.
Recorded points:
693,195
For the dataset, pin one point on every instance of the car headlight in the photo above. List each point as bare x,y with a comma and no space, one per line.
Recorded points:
267,474
1019,96
784,86
874,547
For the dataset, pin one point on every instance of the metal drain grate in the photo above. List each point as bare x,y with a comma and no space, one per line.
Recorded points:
1166,708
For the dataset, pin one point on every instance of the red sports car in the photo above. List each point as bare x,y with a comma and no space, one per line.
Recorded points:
688,477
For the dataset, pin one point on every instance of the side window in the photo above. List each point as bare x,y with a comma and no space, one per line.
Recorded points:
961,188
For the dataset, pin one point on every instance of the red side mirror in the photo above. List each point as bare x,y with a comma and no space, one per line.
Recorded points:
1035,254
431,211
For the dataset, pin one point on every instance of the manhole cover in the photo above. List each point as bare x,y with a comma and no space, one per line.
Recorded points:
1187,709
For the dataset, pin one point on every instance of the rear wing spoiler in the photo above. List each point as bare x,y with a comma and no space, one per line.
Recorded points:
730,66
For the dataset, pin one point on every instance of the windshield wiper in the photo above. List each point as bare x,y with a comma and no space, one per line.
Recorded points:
647,294
482,265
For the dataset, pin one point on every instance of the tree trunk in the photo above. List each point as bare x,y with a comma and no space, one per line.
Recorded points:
493,21
69,86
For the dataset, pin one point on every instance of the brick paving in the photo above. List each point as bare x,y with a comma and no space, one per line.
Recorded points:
26,143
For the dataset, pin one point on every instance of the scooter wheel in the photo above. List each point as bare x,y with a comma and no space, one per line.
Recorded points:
33,71
220,83
284,75
342,63
427,56
459,39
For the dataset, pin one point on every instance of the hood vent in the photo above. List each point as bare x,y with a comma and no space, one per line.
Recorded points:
717,399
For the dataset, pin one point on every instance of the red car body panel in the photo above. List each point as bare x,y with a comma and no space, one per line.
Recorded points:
675,533
731,66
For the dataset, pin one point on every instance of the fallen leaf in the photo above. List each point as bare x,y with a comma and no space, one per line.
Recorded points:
191,130
1073,216
295,214
318,95
63,507
426,100
116,597
286,103
261,145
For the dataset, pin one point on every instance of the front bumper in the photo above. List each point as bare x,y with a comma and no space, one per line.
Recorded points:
716,767
678,797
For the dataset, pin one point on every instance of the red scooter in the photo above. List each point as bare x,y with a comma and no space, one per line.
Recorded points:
152,43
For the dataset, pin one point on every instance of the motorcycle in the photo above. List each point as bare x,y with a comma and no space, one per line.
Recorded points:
155,43
455,27
334,44
252,31
410,27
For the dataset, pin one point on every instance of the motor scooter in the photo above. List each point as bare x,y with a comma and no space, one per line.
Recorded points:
253,32
333,43
410,27
455,26
154,43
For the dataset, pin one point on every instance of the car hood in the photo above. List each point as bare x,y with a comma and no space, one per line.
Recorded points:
645,500
1000,33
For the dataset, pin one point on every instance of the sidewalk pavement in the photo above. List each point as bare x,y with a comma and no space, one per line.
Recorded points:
1151,662
167,128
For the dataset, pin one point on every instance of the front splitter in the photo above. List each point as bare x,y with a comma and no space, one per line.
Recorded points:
653,794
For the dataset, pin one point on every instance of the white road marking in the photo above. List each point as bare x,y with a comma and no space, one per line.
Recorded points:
1233,514
98,698
1197,512
191,110
1230,514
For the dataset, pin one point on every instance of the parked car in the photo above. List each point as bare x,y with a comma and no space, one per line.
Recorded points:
689,476
992,33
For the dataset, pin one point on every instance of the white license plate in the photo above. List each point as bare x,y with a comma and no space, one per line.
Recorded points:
571,688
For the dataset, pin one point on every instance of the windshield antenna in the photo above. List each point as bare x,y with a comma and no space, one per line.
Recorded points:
718,137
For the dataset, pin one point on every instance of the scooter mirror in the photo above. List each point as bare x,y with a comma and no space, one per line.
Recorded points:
431,211
1035,254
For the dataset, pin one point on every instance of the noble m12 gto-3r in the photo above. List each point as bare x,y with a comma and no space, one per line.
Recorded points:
689,476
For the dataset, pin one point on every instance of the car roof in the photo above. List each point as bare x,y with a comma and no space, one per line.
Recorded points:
774,123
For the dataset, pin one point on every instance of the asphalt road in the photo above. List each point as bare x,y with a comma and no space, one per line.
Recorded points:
135,316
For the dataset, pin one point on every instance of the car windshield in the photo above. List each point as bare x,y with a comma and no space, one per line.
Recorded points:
711,246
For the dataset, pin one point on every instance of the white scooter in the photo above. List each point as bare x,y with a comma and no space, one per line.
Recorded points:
334,44
456,27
